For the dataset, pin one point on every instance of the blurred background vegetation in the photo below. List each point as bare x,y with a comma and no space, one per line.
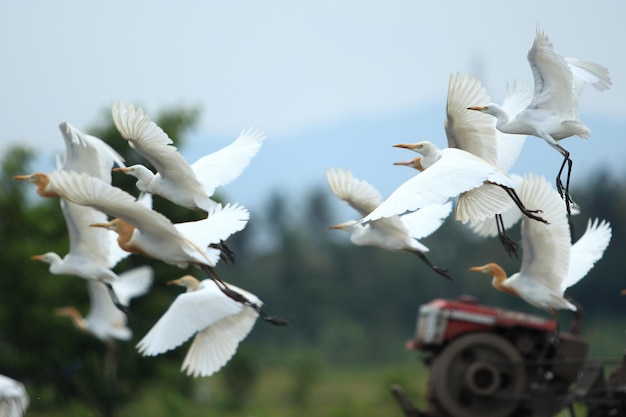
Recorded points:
350,308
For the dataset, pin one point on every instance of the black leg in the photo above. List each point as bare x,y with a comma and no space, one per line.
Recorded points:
564,193
441,271
509,245
240,298
528,213
226,254
124,309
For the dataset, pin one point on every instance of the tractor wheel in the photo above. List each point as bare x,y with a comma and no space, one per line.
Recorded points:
480,374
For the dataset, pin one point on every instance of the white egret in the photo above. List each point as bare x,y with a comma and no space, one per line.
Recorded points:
218,323
187,185
83,153
104,320
13,397
446,174
396,233
149,233
476,133
550,263
92,252
552,114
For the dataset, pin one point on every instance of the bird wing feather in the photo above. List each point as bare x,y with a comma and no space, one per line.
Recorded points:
89,154
149,140
471,131
221,223
90,243
191,312
213,347
90,191
358,194
586,72
546,247
13,397
425,221
455,172
104,319
554,81
587,250
225,165
516,98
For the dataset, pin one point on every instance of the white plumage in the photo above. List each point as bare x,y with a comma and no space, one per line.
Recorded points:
446,174
187,185
550,263
104,320
218,323
148,232
395,233
13,397
552,113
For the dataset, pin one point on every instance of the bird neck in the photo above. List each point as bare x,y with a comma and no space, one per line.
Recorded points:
77,319
125,233
499,280
502,117
430,155
144,177
42,184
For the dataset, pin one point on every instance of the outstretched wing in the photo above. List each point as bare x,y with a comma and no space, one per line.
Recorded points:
86,153
472,131
587,250
191,312
358,194
213,347
90,191
149,140
554,80
455,172
222,167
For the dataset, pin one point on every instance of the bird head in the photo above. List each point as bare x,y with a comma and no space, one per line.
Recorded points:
491,108
138,171
48,257
187,281
38,178
413,163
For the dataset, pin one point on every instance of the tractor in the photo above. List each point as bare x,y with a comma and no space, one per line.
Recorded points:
492,362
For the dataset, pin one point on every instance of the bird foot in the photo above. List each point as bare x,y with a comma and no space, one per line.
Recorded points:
443,272
275,321
531,214
509,246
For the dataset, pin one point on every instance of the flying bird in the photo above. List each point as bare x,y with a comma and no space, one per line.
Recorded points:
218,323
187,185
550,263
395,233
146,232
83,153
104,321
446,173
552,113
92,252
476,133
13,397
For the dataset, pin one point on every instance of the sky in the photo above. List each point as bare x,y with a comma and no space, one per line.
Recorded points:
332,83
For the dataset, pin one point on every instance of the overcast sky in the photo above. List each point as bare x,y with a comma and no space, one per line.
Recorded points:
293,68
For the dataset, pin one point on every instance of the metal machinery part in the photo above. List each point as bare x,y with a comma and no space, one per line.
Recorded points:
479,374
